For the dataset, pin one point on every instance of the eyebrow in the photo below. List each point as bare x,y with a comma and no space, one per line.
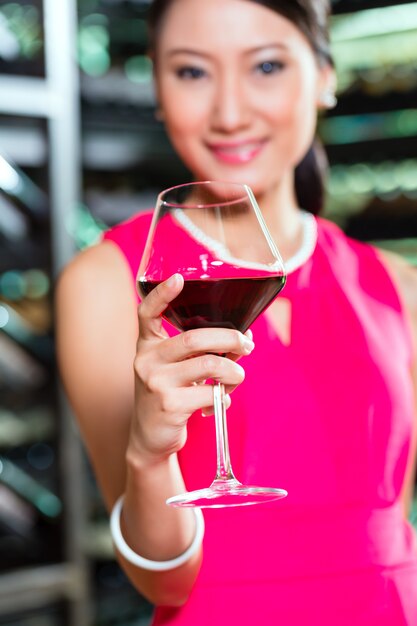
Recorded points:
199,53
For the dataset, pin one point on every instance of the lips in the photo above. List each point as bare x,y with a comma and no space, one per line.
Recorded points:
237,153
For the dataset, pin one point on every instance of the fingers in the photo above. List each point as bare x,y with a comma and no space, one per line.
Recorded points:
203,367
159,379
220,341
155,303
233,356
209,410
181,403
206,340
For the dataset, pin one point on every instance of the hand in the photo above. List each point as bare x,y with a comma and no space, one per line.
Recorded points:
168,370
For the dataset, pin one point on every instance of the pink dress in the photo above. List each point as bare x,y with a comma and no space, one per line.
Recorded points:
329,418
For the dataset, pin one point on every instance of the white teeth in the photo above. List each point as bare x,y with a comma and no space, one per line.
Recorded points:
241,150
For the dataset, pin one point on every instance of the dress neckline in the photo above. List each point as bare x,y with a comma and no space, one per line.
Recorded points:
303,254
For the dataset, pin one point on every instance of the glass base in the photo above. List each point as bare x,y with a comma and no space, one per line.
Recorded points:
224,493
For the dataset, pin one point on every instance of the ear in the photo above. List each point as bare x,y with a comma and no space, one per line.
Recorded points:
326,87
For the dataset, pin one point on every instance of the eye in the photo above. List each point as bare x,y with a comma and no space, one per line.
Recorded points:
190,73
269,67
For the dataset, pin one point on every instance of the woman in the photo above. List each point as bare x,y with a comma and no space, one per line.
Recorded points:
239,85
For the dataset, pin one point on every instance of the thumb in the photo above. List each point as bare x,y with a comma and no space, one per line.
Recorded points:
155,303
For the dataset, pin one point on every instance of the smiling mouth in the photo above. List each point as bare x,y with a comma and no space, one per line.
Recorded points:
238,153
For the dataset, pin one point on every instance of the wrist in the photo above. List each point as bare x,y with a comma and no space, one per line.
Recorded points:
149,564
140,460
146,473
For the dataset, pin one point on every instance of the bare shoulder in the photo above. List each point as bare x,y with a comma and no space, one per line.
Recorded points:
93,291
102,263
405,278
96,308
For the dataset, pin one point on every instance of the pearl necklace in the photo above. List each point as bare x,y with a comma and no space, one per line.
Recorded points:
309,241
308,245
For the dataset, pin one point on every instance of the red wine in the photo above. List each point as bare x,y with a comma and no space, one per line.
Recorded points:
221,303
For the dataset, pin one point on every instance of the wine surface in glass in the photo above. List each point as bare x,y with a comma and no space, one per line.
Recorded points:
219,303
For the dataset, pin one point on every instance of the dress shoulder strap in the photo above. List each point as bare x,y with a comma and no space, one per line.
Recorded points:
361,266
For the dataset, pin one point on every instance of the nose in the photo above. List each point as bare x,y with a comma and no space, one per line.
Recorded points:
231,110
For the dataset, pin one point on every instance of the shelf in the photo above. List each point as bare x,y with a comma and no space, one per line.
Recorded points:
35,587
407,248
115,87
352,6
102,149
26,428
43,101
98,541
24,144
356,102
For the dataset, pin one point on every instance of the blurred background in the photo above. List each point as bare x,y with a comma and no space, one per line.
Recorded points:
80,149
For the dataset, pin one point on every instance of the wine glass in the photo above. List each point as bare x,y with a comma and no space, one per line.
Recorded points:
214,234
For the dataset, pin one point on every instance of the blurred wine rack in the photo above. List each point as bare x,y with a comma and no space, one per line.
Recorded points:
371,137
43,574
80,149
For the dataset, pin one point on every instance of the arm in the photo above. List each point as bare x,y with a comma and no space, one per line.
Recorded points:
405,277
132,398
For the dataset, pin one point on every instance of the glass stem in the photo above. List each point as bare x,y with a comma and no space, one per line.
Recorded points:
224,467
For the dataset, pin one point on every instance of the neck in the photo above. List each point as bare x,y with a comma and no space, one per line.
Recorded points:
282,215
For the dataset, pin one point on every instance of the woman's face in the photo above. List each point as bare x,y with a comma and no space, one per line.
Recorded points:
238,85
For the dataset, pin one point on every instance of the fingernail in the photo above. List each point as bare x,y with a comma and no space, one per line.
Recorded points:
171,282
248,345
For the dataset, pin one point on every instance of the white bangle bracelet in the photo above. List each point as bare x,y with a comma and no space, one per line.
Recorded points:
140,561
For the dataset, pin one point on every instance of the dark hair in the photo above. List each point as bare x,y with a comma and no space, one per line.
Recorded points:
311,17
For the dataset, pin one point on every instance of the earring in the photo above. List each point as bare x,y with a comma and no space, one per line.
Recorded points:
328,99
159,114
